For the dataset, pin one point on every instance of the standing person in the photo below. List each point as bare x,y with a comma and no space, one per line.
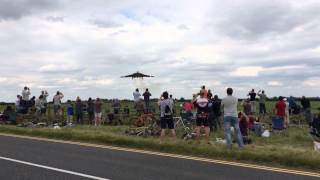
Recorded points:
201,104
79,111
97,112
90,110
39,105
280,109
229,105
70,113
116,104
57,104
215,113
247,107
136,95
26,93
210,93
173,104
287,115
306,108
253,95
45,95
18,103
204,91
262,102
146,96
166,115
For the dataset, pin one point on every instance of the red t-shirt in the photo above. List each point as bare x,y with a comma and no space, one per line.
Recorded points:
281,108
188,106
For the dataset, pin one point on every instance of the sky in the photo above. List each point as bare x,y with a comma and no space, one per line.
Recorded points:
83,47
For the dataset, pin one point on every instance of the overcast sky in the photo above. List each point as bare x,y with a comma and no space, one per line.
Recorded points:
82,47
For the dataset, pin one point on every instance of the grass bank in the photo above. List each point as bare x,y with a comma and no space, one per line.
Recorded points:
294,151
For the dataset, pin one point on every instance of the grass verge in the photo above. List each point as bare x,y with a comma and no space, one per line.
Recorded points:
279,151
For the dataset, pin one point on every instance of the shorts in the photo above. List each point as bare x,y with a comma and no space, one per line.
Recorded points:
167,122
202,120
98,115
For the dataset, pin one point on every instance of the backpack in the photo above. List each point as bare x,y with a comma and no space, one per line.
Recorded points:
167,111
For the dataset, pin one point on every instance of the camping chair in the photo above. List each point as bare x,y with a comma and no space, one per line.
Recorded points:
278,124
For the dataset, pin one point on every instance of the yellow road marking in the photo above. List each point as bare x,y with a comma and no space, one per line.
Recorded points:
265,168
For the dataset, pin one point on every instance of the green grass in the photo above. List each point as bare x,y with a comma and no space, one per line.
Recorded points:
292,150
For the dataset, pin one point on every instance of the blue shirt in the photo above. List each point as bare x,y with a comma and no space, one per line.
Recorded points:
70,111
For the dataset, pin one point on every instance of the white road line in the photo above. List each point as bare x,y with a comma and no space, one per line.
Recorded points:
53,169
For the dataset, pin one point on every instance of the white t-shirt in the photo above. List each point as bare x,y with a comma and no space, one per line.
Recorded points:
287,107
136,96
25,95
230,106
57,99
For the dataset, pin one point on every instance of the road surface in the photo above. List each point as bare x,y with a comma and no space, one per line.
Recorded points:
37,160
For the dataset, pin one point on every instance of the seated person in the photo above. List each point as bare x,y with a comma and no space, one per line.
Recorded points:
187,111
9,116
315,126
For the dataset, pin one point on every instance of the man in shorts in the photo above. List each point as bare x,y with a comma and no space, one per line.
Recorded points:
201,103
166,116
57,104
97,112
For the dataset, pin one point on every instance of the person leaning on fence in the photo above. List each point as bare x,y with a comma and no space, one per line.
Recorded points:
166,115
201,103
229,106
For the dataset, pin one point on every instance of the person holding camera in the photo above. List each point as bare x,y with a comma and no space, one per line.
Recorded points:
201,103
166,115
26,93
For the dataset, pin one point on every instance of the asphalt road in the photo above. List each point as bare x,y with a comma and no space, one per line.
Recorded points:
112,164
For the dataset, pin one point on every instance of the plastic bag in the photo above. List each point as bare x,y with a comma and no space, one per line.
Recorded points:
316,146
266,133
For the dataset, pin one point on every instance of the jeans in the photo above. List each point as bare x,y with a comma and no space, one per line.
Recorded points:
147,102
214,122
262,108
232,121
308,114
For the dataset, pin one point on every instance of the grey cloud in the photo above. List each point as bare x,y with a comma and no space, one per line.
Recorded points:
105,23
55,18
12,10
183,27
253,21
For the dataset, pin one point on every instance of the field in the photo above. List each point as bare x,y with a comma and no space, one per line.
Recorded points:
293,148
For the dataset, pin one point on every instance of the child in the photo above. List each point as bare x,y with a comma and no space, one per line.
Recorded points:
70,112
